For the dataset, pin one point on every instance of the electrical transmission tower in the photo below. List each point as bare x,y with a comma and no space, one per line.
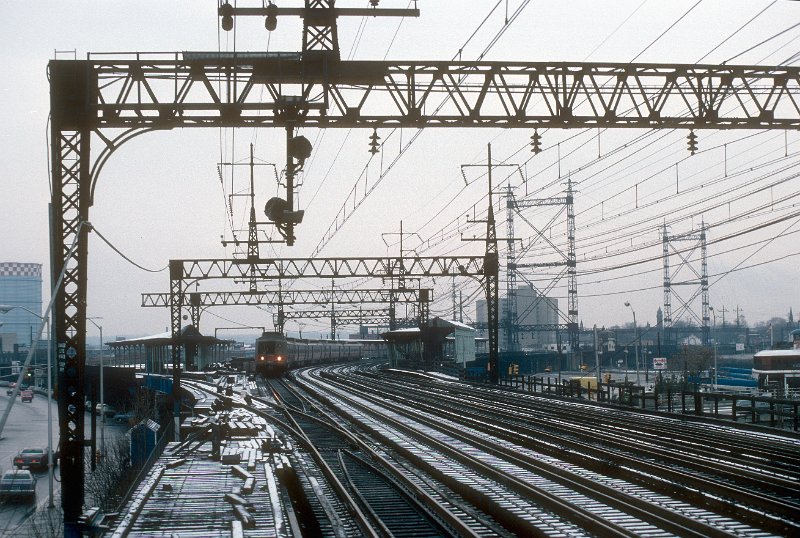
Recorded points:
512,334
568,261
697,281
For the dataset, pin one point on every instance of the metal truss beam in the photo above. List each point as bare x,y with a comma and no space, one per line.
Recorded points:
70,226
350,313
539,327
295,268
289,297
368,317
211,89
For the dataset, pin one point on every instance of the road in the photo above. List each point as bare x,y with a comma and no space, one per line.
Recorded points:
27,427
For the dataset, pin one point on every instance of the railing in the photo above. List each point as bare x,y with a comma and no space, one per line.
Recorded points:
167,434
684,400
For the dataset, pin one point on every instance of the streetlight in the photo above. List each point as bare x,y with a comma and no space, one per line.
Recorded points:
635,341
716,380
102,397
4,309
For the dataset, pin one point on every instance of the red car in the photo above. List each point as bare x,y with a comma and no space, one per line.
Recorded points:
34,459
26,395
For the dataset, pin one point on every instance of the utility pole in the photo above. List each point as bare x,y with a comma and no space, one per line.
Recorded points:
455,306
597,359
333,312
491,269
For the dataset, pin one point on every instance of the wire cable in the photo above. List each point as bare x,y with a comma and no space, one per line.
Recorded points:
124,257
742,27
671,26
762,42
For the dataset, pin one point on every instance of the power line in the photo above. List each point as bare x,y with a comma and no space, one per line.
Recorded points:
671,26
124,257
736,31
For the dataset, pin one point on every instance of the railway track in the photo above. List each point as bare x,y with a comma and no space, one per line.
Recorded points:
625,482
355,451
389,503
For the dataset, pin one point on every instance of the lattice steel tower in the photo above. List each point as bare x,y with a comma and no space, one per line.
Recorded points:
569,260
699,280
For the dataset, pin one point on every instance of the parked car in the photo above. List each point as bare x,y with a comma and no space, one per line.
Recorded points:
10,389
106,409
123,418
34,459
18,484
26,395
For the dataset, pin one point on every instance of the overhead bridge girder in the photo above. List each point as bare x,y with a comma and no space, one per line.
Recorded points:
354,316
212,89
294,268
543,327
288,297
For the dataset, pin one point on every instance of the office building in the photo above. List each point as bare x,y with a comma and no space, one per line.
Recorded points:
20,285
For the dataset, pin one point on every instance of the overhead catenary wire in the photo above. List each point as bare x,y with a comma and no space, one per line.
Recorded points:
735,32
462,189
345,216
124,256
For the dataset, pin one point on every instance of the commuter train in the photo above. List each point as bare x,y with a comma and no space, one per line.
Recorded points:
276,353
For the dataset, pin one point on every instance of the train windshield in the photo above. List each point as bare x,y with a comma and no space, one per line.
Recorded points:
267,347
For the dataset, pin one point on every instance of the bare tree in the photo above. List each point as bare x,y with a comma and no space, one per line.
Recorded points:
106,486
695,359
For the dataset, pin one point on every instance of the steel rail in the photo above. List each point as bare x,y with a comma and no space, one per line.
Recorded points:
644,510
769,476
645,471
363,521
428,504
564,509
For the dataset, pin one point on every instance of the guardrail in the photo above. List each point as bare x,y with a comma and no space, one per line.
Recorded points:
764,410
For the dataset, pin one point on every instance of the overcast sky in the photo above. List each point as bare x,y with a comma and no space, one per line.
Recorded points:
160,196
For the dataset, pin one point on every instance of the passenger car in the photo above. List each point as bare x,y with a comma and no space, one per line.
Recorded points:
123,418
276,353
26,395
18,484
34,459
105,409
10,389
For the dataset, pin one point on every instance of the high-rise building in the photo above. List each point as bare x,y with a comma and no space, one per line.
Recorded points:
20,285
534,313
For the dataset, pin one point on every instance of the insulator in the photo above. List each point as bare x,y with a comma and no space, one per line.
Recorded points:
226,10
691,142
271,22
536,144
374,145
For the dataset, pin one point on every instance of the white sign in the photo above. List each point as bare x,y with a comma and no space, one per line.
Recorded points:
739,347
659,363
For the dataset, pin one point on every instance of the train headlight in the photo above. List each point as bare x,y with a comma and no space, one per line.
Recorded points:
261,358
280,358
